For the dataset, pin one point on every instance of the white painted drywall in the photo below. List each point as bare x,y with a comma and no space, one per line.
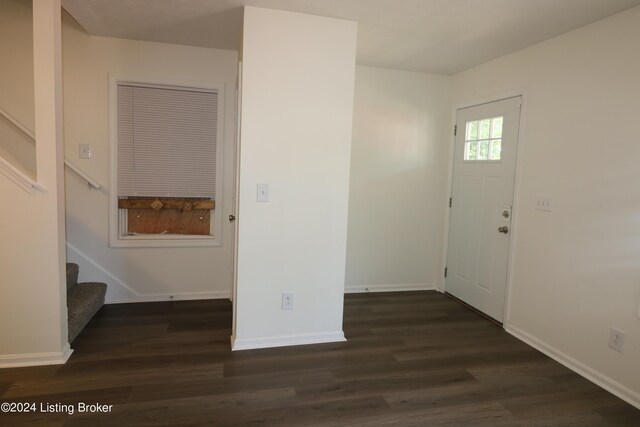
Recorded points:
137,274
399,152
16,84
33,312
576,270
297,103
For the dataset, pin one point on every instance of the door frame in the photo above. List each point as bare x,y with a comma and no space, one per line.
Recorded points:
517,205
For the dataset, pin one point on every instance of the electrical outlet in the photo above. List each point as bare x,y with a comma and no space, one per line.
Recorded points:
616,340
287,301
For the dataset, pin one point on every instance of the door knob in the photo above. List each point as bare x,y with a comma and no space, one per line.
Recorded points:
232,217
504,229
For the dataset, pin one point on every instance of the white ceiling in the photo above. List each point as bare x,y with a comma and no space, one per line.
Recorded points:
437,36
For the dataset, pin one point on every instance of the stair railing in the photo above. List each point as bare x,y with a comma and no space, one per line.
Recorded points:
90,181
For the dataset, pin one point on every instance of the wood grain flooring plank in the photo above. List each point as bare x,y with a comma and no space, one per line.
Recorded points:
76,381
411,359
450,395
301,363
5,386
559,403
620,414
475,414
381,385
114,395
142,393
213,410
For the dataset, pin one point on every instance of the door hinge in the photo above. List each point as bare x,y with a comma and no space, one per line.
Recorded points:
455,130
445,272
450,201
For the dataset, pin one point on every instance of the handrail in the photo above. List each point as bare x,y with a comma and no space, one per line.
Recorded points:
92,182
17,176
17,124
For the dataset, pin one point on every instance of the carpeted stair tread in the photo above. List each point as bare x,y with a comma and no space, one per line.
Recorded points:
83,302
72,275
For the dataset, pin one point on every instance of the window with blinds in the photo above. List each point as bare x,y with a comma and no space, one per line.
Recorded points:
166,142
166,160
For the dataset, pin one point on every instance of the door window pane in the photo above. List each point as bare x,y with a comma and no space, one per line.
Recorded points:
484,129
496,127
496,148
483,139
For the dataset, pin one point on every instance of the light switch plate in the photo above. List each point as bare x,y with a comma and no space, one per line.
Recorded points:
85,151
263,193
544,203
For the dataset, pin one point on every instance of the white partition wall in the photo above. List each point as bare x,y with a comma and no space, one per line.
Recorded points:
33,312
296,118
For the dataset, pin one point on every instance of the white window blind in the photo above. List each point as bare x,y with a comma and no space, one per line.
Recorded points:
166,141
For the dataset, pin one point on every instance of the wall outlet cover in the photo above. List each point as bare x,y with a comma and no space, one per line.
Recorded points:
616,340
287,301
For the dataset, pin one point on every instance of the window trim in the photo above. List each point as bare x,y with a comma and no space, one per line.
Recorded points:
159,241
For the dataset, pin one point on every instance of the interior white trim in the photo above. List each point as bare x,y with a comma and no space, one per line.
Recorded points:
36,359
115,241
119,292
578,367
180,296
390,288
19,178
286,340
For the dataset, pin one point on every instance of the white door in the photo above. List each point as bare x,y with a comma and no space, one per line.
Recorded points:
482,196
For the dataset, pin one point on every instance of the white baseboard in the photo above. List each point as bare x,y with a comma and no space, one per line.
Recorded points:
390,288
36,359
286,340
589,373
181,296
119,292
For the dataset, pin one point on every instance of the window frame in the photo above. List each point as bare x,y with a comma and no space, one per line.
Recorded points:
117,216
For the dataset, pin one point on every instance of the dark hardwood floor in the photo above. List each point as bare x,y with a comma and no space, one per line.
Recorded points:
411,359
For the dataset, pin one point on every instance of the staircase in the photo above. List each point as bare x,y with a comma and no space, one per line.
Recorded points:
83,300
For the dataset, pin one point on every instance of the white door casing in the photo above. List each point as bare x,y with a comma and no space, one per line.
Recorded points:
236,198
481,208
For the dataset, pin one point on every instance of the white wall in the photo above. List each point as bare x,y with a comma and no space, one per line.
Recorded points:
16,84
401,131
576,270
297,103
33,327
137,274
